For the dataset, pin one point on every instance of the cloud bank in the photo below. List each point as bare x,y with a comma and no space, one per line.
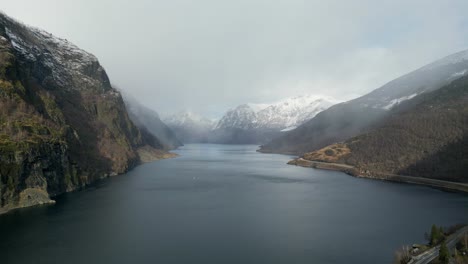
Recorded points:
210,55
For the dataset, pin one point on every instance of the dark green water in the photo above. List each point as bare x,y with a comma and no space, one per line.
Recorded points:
228,204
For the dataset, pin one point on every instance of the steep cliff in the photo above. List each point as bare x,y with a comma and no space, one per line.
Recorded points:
62,125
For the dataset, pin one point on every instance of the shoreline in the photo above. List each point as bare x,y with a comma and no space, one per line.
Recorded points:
149,158
352,171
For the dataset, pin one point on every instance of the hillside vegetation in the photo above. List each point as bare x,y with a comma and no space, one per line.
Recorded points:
352,118
425,137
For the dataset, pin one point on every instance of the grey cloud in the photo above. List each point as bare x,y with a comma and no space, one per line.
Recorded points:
209,55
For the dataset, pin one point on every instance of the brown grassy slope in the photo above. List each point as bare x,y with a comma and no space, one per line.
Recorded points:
428,139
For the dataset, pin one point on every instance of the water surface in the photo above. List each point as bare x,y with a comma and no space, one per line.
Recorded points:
228,204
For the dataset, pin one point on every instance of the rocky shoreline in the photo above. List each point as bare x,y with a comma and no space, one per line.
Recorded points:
353,171
36,197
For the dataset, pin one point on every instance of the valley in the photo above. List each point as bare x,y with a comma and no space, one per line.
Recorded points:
204,142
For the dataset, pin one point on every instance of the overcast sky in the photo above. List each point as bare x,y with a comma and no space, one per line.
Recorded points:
210,55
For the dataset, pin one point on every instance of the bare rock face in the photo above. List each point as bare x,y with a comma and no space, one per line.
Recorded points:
62,125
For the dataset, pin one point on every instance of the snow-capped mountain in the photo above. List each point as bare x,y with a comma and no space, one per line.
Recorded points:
292,112
283,115
249,123
242,117
188,119
190,127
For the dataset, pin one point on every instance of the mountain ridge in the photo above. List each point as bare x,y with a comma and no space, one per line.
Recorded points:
356,116
250,123
425,138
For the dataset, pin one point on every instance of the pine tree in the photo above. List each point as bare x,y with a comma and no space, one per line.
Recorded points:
444,254
435,235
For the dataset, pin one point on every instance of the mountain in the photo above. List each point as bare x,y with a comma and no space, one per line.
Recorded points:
147,119
292,112
62,125
425,137
190,127
241,117
248,123
354,117
253,124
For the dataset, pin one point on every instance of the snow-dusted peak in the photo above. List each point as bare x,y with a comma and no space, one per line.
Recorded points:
242,117
66,62
285,114
294,111
188,119
425,79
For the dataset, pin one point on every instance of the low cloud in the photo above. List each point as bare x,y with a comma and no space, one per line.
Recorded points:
210,55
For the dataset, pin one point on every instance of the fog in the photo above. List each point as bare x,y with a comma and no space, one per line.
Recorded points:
210,55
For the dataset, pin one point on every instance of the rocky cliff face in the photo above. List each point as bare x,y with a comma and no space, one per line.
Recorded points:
62,125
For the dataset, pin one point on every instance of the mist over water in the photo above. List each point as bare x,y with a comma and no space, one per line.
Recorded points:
228,204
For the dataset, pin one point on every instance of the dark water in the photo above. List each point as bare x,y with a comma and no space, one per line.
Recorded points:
228,204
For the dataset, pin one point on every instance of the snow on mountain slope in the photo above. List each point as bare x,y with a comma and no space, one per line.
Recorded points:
258,107
188,119
242,117
349,119
285,114
190,127
425,79
293,111
64,59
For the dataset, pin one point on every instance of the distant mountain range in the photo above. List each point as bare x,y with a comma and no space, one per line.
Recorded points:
249,123
190,127
348,119
284,115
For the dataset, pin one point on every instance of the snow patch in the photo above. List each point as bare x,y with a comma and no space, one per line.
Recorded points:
288,129
397,101
459,74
